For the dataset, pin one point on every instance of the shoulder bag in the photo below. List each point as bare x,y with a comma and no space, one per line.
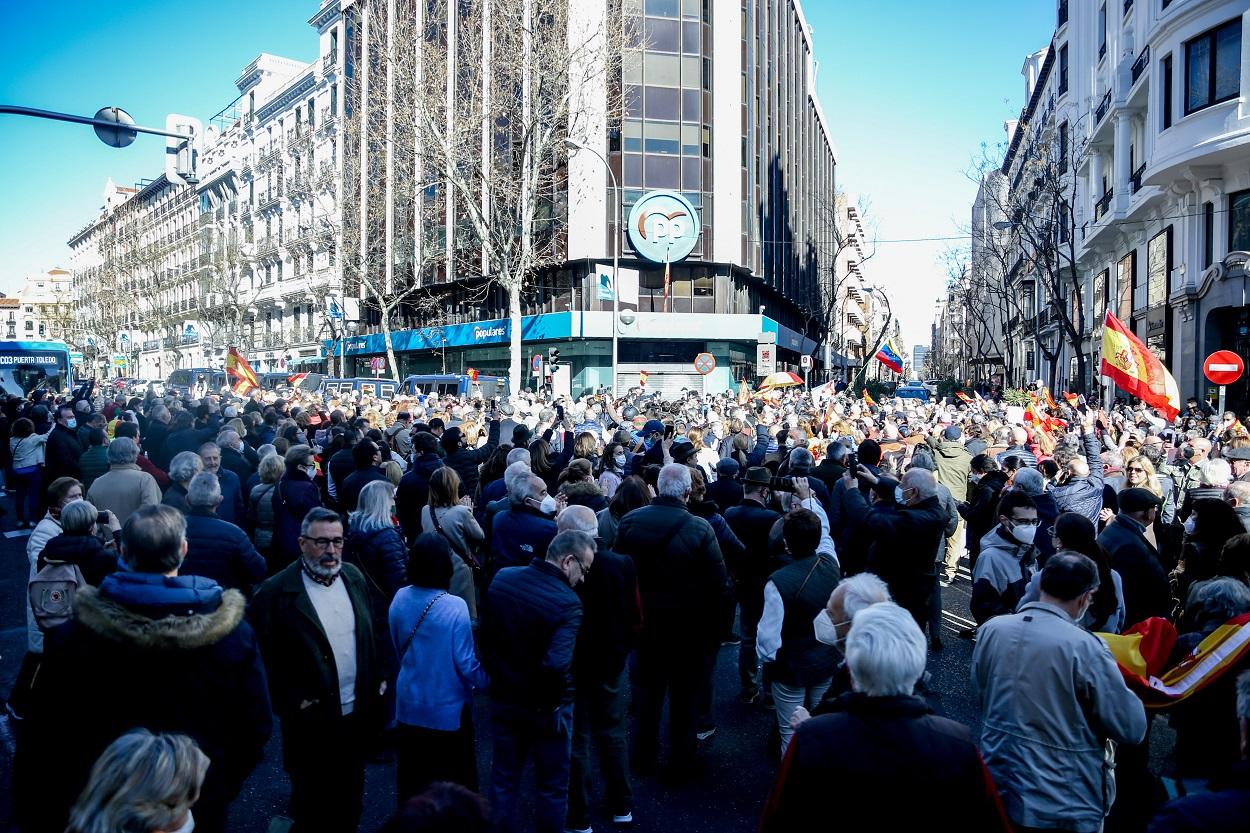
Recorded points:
420,619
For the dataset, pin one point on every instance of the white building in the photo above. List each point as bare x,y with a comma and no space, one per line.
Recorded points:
1150,101
46,308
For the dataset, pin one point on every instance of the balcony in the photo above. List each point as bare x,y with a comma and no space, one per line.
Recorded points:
246,169
151,345
328,64
268,202
267,247
1103,205
328,118
1135,181
1103,106
1140,65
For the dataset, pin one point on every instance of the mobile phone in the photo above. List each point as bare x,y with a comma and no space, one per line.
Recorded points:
102,518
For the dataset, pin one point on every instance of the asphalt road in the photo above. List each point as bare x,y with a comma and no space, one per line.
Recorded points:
726,798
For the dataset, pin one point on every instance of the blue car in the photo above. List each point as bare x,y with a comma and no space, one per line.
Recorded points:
913,391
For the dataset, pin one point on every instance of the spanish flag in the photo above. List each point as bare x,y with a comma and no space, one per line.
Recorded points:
642,378
237,367
868,399
1130,364
1142,653
1072,399
963,397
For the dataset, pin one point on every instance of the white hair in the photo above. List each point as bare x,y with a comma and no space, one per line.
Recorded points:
922,480
1215,472
373,506
578,519
184,466
518,470
860,591
520,454
885,651
674,481
122,451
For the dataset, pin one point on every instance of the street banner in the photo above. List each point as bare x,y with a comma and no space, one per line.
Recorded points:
237,367
1129,364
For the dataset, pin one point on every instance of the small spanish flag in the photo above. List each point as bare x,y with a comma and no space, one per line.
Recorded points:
963,397
1050,400
1072,399
295,378
472,374
237,367
642,378
868,399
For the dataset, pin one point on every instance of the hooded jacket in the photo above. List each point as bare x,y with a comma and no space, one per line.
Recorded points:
954,463
169,654
1001,575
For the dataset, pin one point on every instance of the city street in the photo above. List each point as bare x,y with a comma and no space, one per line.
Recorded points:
727,798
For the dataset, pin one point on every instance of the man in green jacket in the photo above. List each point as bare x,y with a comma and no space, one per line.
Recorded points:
954,464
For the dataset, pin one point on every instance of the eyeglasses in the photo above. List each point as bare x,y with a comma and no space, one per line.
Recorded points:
1026,521
324,543
1138,469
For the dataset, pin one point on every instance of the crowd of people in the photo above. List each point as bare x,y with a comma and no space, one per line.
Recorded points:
365,570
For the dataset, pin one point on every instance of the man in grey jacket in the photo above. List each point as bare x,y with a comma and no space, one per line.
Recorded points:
1052,697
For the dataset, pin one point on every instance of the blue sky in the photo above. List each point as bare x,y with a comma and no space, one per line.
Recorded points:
910,89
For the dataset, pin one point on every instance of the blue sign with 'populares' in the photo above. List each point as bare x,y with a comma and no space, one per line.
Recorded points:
663,226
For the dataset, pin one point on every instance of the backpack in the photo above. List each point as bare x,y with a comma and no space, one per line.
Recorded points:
53,591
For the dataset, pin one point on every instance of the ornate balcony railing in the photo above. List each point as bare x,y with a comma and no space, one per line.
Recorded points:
1103,106
1103,205
1139,66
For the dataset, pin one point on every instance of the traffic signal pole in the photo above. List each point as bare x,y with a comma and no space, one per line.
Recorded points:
16,110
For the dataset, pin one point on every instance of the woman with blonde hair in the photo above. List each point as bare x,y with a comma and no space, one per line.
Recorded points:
142,783
704,457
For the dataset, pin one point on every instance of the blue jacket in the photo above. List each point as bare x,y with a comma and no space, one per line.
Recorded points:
233,508
222,552
296,495
440,670
519,534
1083,496
529,623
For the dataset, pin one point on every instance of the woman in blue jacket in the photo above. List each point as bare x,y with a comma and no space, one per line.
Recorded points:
438,673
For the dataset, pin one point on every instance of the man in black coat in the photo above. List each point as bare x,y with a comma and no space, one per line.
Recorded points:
414,487
751,521
904,541
63,450
1146,589
233,506
216,549
725,491
327,675
367,457
529,624
467,461
611,619
682,582
881,759
237,456
157,650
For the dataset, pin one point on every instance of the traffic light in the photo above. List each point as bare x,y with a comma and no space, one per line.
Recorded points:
553,356
182,155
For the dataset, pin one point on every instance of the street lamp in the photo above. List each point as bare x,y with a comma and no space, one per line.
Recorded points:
575,146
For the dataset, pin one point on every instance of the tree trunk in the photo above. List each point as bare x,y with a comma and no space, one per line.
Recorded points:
514,343
391,364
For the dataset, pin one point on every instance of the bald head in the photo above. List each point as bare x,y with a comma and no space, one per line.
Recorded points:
578,519
1019,436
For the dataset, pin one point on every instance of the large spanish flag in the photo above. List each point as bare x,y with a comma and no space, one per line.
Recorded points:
1131,365
238,368
1142,653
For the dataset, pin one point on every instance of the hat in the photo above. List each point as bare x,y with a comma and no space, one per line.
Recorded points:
1236,454
952,433
727,467
653,426
1030,481
681,450
1137,500
757,476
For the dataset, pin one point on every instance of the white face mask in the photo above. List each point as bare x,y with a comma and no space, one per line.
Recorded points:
1024,534
825,630
548,505
1190,525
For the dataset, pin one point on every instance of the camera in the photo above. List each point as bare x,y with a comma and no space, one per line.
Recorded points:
852,461
781,484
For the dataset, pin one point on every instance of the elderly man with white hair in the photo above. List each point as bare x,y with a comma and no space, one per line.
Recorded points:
684,587
1214,475
124,487
881,759
905,541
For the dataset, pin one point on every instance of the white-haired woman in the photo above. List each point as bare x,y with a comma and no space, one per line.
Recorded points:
375,544
142,783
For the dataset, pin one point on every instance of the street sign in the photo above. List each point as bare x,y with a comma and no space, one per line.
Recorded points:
117,137
1223,367
805,362
704,363
765,359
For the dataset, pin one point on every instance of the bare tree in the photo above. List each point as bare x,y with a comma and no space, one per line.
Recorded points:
460,119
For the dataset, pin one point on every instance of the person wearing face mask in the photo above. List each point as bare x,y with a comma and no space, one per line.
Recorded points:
63,450
327,666
802,665
1051,696
294,497
1007,557
176,652
522,532
530,621
612,469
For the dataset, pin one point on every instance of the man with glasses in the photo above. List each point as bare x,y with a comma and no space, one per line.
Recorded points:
530,619
326,674
1008,554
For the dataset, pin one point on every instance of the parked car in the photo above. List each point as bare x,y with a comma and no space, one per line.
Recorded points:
913,390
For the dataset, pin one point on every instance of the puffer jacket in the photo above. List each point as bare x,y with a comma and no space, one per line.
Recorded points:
681,573
261,519
222,552
519,534
296,495
414,492
1084,495
1051,696
1001,575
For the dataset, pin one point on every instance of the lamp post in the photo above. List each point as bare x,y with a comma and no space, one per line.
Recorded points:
575,145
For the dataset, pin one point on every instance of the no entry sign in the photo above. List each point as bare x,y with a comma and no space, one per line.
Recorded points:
1223,367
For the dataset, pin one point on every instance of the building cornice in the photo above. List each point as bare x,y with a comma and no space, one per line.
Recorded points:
283,100
326,15
1026,115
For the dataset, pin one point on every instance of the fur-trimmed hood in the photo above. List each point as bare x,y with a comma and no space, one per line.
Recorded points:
113,620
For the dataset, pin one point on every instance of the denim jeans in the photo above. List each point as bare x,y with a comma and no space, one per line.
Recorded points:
547,739
788,698
748,663
599,718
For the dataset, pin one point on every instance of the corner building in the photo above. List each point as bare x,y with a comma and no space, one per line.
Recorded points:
719,104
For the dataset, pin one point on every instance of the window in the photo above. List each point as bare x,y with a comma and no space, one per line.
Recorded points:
1158,266
1102,31
1239,222
1126,278
1100,297
1063,69
1208,234
1165,69
1063,147
1213,67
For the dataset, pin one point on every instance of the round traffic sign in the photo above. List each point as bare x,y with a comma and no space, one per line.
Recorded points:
1223,367
118,137
705,363
536,363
